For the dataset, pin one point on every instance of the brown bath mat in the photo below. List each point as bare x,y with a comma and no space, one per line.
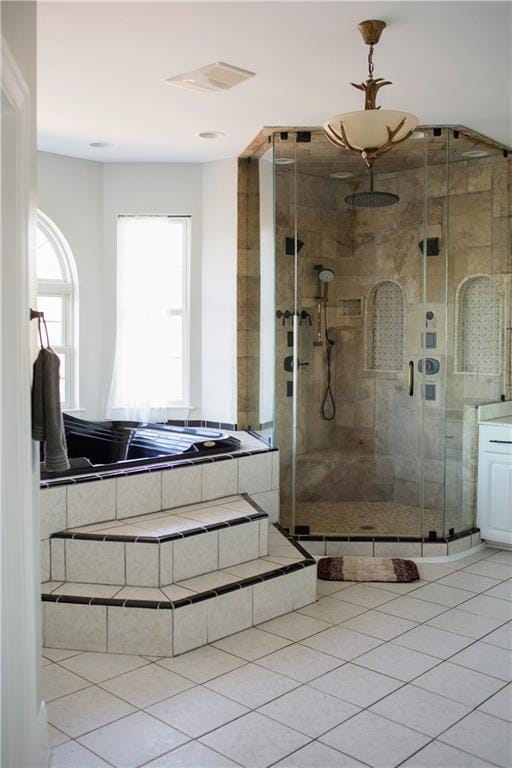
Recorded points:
367,569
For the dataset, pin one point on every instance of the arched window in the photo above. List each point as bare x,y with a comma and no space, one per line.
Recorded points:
385,323
57,297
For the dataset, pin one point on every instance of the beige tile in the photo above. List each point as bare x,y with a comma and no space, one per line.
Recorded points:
229,613
133,740
195,555
202,664
86,710
53,511
147,685
220,478
174,592
95,562
78,627
255,740
181,486
55,737
207,581
87,590
141,593
190,627
239,543
139,494
140,631
91,502
197,711
142,564
56,654
255,473
98,667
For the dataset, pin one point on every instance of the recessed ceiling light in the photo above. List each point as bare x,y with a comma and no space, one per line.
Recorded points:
211,134
284,161
213,77
417,135
475,153
341,175
99,144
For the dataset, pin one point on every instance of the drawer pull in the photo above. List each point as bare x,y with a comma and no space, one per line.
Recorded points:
503,442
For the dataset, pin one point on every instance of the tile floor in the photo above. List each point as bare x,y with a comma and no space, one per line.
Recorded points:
383,675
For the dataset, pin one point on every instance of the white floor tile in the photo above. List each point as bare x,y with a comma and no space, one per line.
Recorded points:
56,682
490,568
469,581
202,664
499,705
252,685
324,588
365,595
459,684
439,755
309,711
132,741
197,711
251,644
402,663
415,610
491,607
73,755
484,736
86,710
502,591
147,685
56,654
98,667
433,641
497,663
192,755
331,610
316,755
379,625
501,637
442,594
255,741
343,643
294,626
421,710
503,557
375,740
299,663
464,623
55,737
356,685
88,590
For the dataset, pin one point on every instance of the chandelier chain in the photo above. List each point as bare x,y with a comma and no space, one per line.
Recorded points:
370,63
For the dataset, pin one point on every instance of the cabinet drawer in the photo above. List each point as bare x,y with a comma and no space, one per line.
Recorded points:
495,439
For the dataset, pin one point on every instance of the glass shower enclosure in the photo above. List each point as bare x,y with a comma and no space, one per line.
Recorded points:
382,329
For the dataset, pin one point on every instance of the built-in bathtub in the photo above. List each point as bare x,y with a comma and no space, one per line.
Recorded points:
106,446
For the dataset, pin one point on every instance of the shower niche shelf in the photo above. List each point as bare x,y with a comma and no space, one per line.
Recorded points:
479,320
385,327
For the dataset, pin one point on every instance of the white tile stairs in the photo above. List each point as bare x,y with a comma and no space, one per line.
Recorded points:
165,583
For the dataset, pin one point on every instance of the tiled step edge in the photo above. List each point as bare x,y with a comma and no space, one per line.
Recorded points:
159,628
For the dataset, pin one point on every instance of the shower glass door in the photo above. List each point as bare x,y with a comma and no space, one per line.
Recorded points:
350,403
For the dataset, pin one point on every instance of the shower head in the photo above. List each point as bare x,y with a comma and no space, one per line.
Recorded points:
372,198
326,275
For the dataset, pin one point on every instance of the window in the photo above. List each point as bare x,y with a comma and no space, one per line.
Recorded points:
152,346
57,297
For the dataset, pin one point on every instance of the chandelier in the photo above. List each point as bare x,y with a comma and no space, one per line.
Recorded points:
373,131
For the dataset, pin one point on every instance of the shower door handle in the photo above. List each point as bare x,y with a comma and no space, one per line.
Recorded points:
411,378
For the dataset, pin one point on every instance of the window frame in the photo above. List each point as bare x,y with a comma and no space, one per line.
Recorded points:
67,289
184,312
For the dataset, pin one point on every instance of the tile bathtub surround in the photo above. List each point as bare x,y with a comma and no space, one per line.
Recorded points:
234,704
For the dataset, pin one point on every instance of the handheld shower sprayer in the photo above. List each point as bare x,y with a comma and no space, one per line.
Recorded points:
325,276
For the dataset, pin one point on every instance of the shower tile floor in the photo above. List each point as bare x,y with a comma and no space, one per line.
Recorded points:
394,677
368,518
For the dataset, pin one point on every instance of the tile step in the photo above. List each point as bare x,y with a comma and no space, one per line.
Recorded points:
162,548
170,621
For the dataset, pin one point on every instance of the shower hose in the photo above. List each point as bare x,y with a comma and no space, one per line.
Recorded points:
328,402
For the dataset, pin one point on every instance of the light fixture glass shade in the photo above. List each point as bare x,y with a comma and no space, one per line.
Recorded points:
370,128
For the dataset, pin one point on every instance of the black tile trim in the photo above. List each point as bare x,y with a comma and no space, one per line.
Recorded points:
207,528
377,539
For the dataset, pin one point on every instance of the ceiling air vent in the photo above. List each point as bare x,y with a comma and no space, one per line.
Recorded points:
214,77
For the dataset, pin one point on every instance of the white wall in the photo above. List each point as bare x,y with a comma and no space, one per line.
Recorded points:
70,192
84,198
219,389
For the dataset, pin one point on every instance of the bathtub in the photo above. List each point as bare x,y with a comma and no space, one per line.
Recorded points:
103,446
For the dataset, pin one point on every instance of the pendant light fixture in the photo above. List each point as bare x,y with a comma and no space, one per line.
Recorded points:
373,131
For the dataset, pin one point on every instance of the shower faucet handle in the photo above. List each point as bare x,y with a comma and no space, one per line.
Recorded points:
305,316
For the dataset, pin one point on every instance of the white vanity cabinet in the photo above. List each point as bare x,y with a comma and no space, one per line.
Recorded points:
494,511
